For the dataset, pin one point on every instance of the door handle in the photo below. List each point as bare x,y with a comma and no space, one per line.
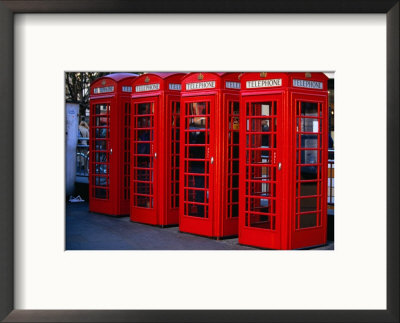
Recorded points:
279,166
111,151
212,160
155,155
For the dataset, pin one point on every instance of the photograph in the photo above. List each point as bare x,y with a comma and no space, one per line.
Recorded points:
212,161
199,160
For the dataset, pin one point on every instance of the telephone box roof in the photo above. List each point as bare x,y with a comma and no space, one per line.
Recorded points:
120,76
164,75
215,73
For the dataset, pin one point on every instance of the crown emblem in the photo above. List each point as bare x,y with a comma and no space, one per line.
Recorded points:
240,76
263,74
147,79
103,82
200,77
308,75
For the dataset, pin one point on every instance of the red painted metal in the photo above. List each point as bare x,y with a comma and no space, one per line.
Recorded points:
109,144
155,148
283,160
209,154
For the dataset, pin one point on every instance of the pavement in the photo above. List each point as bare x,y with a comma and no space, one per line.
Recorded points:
93,231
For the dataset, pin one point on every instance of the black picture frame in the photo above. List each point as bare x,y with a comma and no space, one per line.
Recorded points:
7,11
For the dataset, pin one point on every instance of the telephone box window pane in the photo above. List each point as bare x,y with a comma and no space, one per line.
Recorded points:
102,121
144,174
308,220
143,188
101,168
144,161
262,205
308,157
261,221
144,122
198,108
101,181
196,181
235,181
143,148
197,196
100,145
308,172
101,193
235,196
235,151
196,167
101,133
309,125
101,157
144,108
258,157
308,204
144,201
236,107
101,109
195,210
235,210
260,125
197,138
197,152
307,189
308,141
309,109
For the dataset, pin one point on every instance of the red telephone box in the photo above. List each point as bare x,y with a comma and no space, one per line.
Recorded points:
209,176
283,160
155,148
110,108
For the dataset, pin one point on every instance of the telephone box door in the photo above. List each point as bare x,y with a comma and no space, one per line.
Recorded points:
197,165
309,223
100,157
261,171
144,155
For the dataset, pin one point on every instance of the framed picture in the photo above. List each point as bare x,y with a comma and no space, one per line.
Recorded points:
12,86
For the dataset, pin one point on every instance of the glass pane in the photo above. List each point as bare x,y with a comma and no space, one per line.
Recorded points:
309,125
197,152
236,106
101,181
195,210
309,141
196,181
309,109
101,193
144,108
261,221
101,109
308,157
100,145
101,133
308,204
308,189
308,220
308,172
197,138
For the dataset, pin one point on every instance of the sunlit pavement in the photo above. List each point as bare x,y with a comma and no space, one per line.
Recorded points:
92,231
